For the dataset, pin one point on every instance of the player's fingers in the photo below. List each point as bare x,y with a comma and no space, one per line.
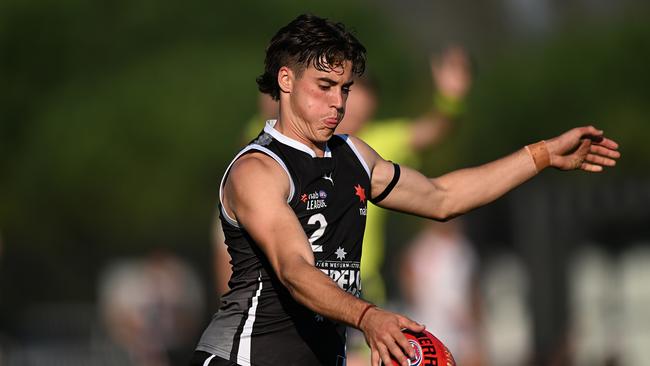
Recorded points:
374,357
398,354
599,160
608,143
591,131
384,354
575,160
403,343
591,168
580,133
603,151
584,147
405,322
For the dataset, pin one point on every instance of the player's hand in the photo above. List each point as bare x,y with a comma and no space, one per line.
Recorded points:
584,148
383,332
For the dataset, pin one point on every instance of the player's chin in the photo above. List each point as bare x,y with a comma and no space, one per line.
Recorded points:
326,133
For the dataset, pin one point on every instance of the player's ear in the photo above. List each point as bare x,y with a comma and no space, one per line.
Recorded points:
285,79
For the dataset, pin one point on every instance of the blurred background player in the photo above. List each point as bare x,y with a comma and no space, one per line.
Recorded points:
439,287
267,109
151,308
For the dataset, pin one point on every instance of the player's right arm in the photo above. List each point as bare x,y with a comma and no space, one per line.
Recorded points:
255,194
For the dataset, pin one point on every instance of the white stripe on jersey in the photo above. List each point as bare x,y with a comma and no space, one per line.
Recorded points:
207,360
268,152
244,351
356,152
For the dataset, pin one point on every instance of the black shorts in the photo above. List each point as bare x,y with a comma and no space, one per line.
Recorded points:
201,358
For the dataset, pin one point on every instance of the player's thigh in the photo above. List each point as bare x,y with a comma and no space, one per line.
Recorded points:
201,358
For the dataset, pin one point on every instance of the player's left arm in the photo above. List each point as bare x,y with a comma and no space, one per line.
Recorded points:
460,191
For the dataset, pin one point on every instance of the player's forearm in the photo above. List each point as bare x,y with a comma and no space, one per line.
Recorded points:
315,290
474,187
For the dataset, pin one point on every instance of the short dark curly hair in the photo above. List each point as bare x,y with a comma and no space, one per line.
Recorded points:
306,40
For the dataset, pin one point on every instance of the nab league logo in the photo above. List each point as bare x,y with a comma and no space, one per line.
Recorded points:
417,360
314,200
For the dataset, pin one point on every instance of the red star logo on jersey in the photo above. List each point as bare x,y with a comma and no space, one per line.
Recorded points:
359,191
303,198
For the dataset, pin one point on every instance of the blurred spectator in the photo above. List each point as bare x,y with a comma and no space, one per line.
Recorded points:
152,308
438,281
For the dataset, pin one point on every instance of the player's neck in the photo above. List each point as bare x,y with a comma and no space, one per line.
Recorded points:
293,127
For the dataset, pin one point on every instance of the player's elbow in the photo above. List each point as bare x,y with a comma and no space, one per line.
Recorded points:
287,277
290,272
446,206
445,214
446,217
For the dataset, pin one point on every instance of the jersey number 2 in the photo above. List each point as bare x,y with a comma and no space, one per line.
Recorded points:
320,219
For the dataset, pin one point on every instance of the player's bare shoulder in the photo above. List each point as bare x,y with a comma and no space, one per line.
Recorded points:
257,169
255,176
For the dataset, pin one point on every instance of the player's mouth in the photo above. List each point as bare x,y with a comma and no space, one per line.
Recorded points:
331,122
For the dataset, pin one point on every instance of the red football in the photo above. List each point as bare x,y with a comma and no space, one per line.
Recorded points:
429,350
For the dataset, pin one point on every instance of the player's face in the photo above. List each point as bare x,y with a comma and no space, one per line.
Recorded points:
318,99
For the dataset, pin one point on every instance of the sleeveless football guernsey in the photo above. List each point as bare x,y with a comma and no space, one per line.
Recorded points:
258,322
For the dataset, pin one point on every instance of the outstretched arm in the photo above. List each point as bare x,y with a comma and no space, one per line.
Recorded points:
462,190
255,194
